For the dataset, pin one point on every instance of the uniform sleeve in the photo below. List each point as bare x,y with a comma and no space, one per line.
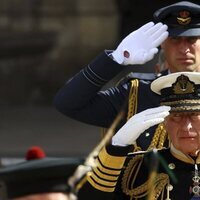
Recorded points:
81,99
101,181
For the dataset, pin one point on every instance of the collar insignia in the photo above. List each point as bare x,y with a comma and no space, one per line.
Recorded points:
184,18
183,85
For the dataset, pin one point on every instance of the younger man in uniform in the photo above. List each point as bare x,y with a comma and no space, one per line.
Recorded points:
81,97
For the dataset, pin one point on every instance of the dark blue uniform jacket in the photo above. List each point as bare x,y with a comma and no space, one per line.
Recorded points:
82,99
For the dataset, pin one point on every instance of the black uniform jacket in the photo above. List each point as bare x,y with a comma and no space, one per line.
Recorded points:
118,177
81,97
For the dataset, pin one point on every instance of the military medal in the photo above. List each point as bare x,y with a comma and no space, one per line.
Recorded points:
195,189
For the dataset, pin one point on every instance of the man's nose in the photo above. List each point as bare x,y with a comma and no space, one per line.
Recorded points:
186,124
184,46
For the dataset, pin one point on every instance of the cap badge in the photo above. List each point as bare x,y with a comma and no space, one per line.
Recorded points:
184,17
183,85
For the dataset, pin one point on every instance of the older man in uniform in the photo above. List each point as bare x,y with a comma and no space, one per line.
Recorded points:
166,173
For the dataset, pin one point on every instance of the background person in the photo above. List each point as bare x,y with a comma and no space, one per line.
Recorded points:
37,178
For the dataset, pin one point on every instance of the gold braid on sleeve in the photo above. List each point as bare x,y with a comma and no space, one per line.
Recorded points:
160,134
133,98
105,173
133,104
159,137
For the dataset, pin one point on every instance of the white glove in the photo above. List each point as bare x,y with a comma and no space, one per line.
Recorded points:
141,45
138,123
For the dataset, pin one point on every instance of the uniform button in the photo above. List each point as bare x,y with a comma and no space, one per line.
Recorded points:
147,134
171,166
170,187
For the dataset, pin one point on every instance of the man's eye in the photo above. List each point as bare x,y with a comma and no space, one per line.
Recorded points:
176,118
176,115
195,116
174,38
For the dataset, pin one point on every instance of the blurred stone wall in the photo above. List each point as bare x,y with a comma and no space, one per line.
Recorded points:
44,42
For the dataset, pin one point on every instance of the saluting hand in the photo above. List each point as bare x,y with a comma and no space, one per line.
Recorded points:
141,45
138,123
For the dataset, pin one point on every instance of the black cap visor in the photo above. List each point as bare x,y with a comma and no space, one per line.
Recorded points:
192,32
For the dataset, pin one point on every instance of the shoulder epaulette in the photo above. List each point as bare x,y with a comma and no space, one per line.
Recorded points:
139,76
143,76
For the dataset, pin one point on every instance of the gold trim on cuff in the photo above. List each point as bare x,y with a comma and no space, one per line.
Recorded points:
112,162
100,187
105,176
